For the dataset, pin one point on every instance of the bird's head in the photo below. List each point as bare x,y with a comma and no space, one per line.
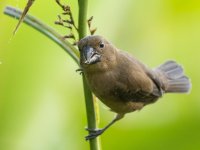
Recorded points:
96,53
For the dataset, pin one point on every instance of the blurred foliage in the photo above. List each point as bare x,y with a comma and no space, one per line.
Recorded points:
41,95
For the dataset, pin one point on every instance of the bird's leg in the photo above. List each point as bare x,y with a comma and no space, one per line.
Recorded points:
94,133
80,70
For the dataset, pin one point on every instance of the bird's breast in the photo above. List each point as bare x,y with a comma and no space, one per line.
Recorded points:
103,85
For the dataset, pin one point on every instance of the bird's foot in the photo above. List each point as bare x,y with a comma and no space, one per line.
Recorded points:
93,133
80,71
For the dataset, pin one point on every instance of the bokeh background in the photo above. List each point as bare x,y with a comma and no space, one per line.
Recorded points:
41,96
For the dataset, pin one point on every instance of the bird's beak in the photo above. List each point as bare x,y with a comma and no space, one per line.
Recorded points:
90,55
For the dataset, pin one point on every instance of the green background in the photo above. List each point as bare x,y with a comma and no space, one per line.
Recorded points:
41,96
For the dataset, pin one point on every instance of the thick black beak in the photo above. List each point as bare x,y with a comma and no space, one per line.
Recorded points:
90,55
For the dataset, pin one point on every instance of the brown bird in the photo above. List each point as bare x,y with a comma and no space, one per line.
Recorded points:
122,82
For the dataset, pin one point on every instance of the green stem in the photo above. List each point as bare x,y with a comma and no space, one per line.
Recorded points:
46,30
89,101
82,22
71,50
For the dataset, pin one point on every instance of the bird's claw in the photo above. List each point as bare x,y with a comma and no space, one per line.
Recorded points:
93,133
80,71
91,130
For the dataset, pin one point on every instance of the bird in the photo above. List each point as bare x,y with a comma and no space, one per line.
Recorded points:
122,82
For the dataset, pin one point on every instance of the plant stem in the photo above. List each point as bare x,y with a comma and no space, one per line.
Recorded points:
82,22
46,30
89,101
71,50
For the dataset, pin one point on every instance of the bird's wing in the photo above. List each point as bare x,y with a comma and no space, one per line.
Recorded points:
134,95
141,85
157,90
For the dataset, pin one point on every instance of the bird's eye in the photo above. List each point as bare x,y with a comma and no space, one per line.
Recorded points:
101,45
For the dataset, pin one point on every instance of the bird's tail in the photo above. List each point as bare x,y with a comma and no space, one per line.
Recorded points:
172,77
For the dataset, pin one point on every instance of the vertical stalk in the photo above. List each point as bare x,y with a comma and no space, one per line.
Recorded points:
82,20
89,101
50,33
